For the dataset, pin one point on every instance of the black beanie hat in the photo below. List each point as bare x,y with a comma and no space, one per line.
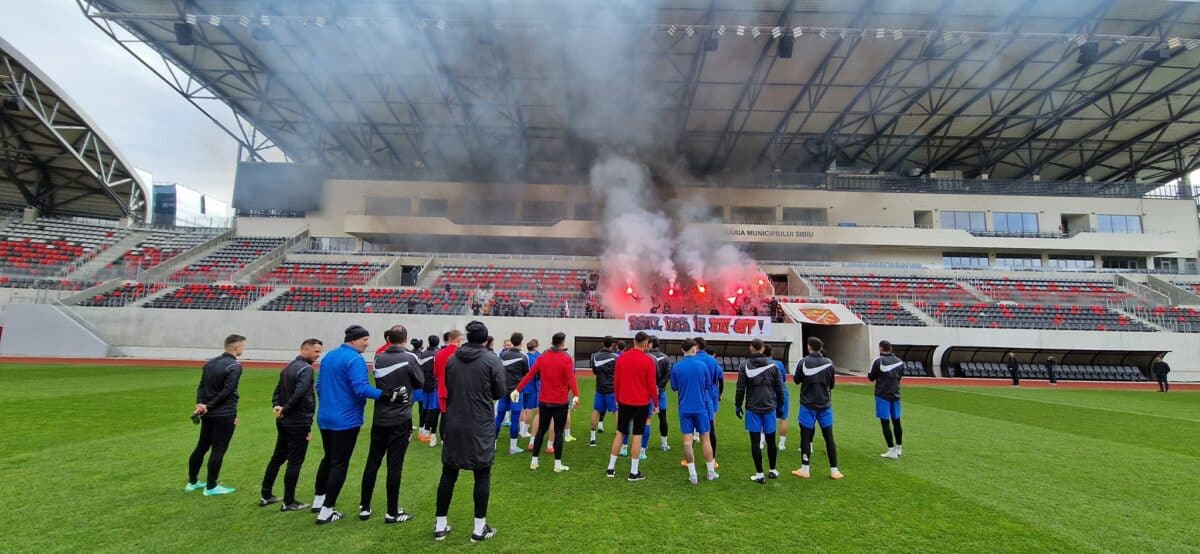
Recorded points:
355,332
477,332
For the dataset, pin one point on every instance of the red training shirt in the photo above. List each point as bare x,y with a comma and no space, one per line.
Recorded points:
439,373
558,376
634,379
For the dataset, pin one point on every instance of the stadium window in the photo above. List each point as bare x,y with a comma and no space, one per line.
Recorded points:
1110,223
543,212
964,260
966,221
1072,262
752,215
433,207
476,210
585,212
1019,260
388,206
331,244
1016,223
1123,262
815,217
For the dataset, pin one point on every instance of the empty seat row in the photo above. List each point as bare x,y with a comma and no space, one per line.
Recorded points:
323,273
1045,290
44,284
53,247
374,300
1036,316
210,297
158,247
235,255
1173,318
872,286
1068,372
513,279
125,294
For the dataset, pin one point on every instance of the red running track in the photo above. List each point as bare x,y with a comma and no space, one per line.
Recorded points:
911,381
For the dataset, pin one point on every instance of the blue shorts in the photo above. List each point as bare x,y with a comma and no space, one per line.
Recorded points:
760,423
694,423
809,417
419,396
887,409
529,400
604,402
431,401
787,406
662,401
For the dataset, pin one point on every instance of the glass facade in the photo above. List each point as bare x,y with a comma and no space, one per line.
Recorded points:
1108,223
966,221
1014,222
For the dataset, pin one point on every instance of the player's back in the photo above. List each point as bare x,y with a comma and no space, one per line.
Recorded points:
690,378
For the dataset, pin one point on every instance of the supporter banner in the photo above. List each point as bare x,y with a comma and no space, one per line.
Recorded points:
821,314
718,326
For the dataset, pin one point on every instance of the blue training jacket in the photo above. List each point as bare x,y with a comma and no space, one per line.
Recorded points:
783,376
691,378
716,374
535,385
343,390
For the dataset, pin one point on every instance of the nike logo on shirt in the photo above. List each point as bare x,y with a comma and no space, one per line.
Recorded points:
511,362
604,362
758,370
886,368
809,371
424,361
384,371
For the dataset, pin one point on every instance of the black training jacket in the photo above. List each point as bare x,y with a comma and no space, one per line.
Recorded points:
1013,364
425,358
814,374
474,381
396,367
219,386
294,393
662,369
886,372
604,364
758,385
1159,369
516,365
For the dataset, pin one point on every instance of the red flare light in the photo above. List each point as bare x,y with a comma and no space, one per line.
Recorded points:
702,289
628,290
760,282
740,291
732,299
670,292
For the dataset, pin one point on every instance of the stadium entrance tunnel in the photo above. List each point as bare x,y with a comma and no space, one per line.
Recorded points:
955,359
729,353
843,345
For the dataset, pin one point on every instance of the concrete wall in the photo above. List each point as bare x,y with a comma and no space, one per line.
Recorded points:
26,296
43,330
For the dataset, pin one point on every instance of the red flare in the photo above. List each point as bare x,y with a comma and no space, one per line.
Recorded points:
701,289
740,291
628,290
732,299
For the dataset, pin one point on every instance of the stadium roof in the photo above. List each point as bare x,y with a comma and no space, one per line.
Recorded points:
1017,89
51,154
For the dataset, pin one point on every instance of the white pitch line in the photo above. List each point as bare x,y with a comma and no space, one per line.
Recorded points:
956,389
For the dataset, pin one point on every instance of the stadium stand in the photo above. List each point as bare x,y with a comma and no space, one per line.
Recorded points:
1065,372
883,312
160,246
227,260
322,273
512,279
374,300
210,297
872,286
1193,287
51,247
1058,292
1035,316
1174,318
44,284
125,294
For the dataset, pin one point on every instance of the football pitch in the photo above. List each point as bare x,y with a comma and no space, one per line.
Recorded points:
95,458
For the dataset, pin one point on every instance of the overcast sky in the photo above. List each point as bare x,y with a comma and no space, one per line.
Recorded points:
156,129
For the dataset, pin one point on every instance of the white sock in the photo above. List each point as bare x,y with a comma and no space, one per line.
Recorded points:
804,467
318,501
833,470
612,462
664,441
558,463
600,426
759,476
512,444
326,512
440,524
524,428
762,443
634,464
782,441
695,437
533,460
692,470
711,466
480,523
593,435
567,434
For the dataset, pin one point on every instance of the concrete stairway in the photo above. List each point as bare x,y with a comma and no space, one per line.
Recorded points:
928,319
89,268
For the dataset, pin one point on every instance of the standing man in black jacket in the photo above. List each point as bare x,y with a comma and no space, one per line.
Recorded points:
474,379
815,376
516,365
1014,368
294,403
391,427
662,373
603,363
429,411
886,372
1160,369
759,388
216,411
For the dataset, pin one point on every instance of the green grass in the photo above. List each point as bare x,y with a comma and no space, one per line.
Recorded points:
95,458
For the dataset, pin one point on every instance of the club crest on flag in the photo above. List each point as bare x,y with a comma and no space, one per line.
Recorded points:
821,316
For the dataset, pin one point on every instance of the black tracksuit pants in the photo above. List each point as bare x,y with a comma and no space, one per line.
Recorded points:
548,414
483,490
215,434
291,446
331,474
390,441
